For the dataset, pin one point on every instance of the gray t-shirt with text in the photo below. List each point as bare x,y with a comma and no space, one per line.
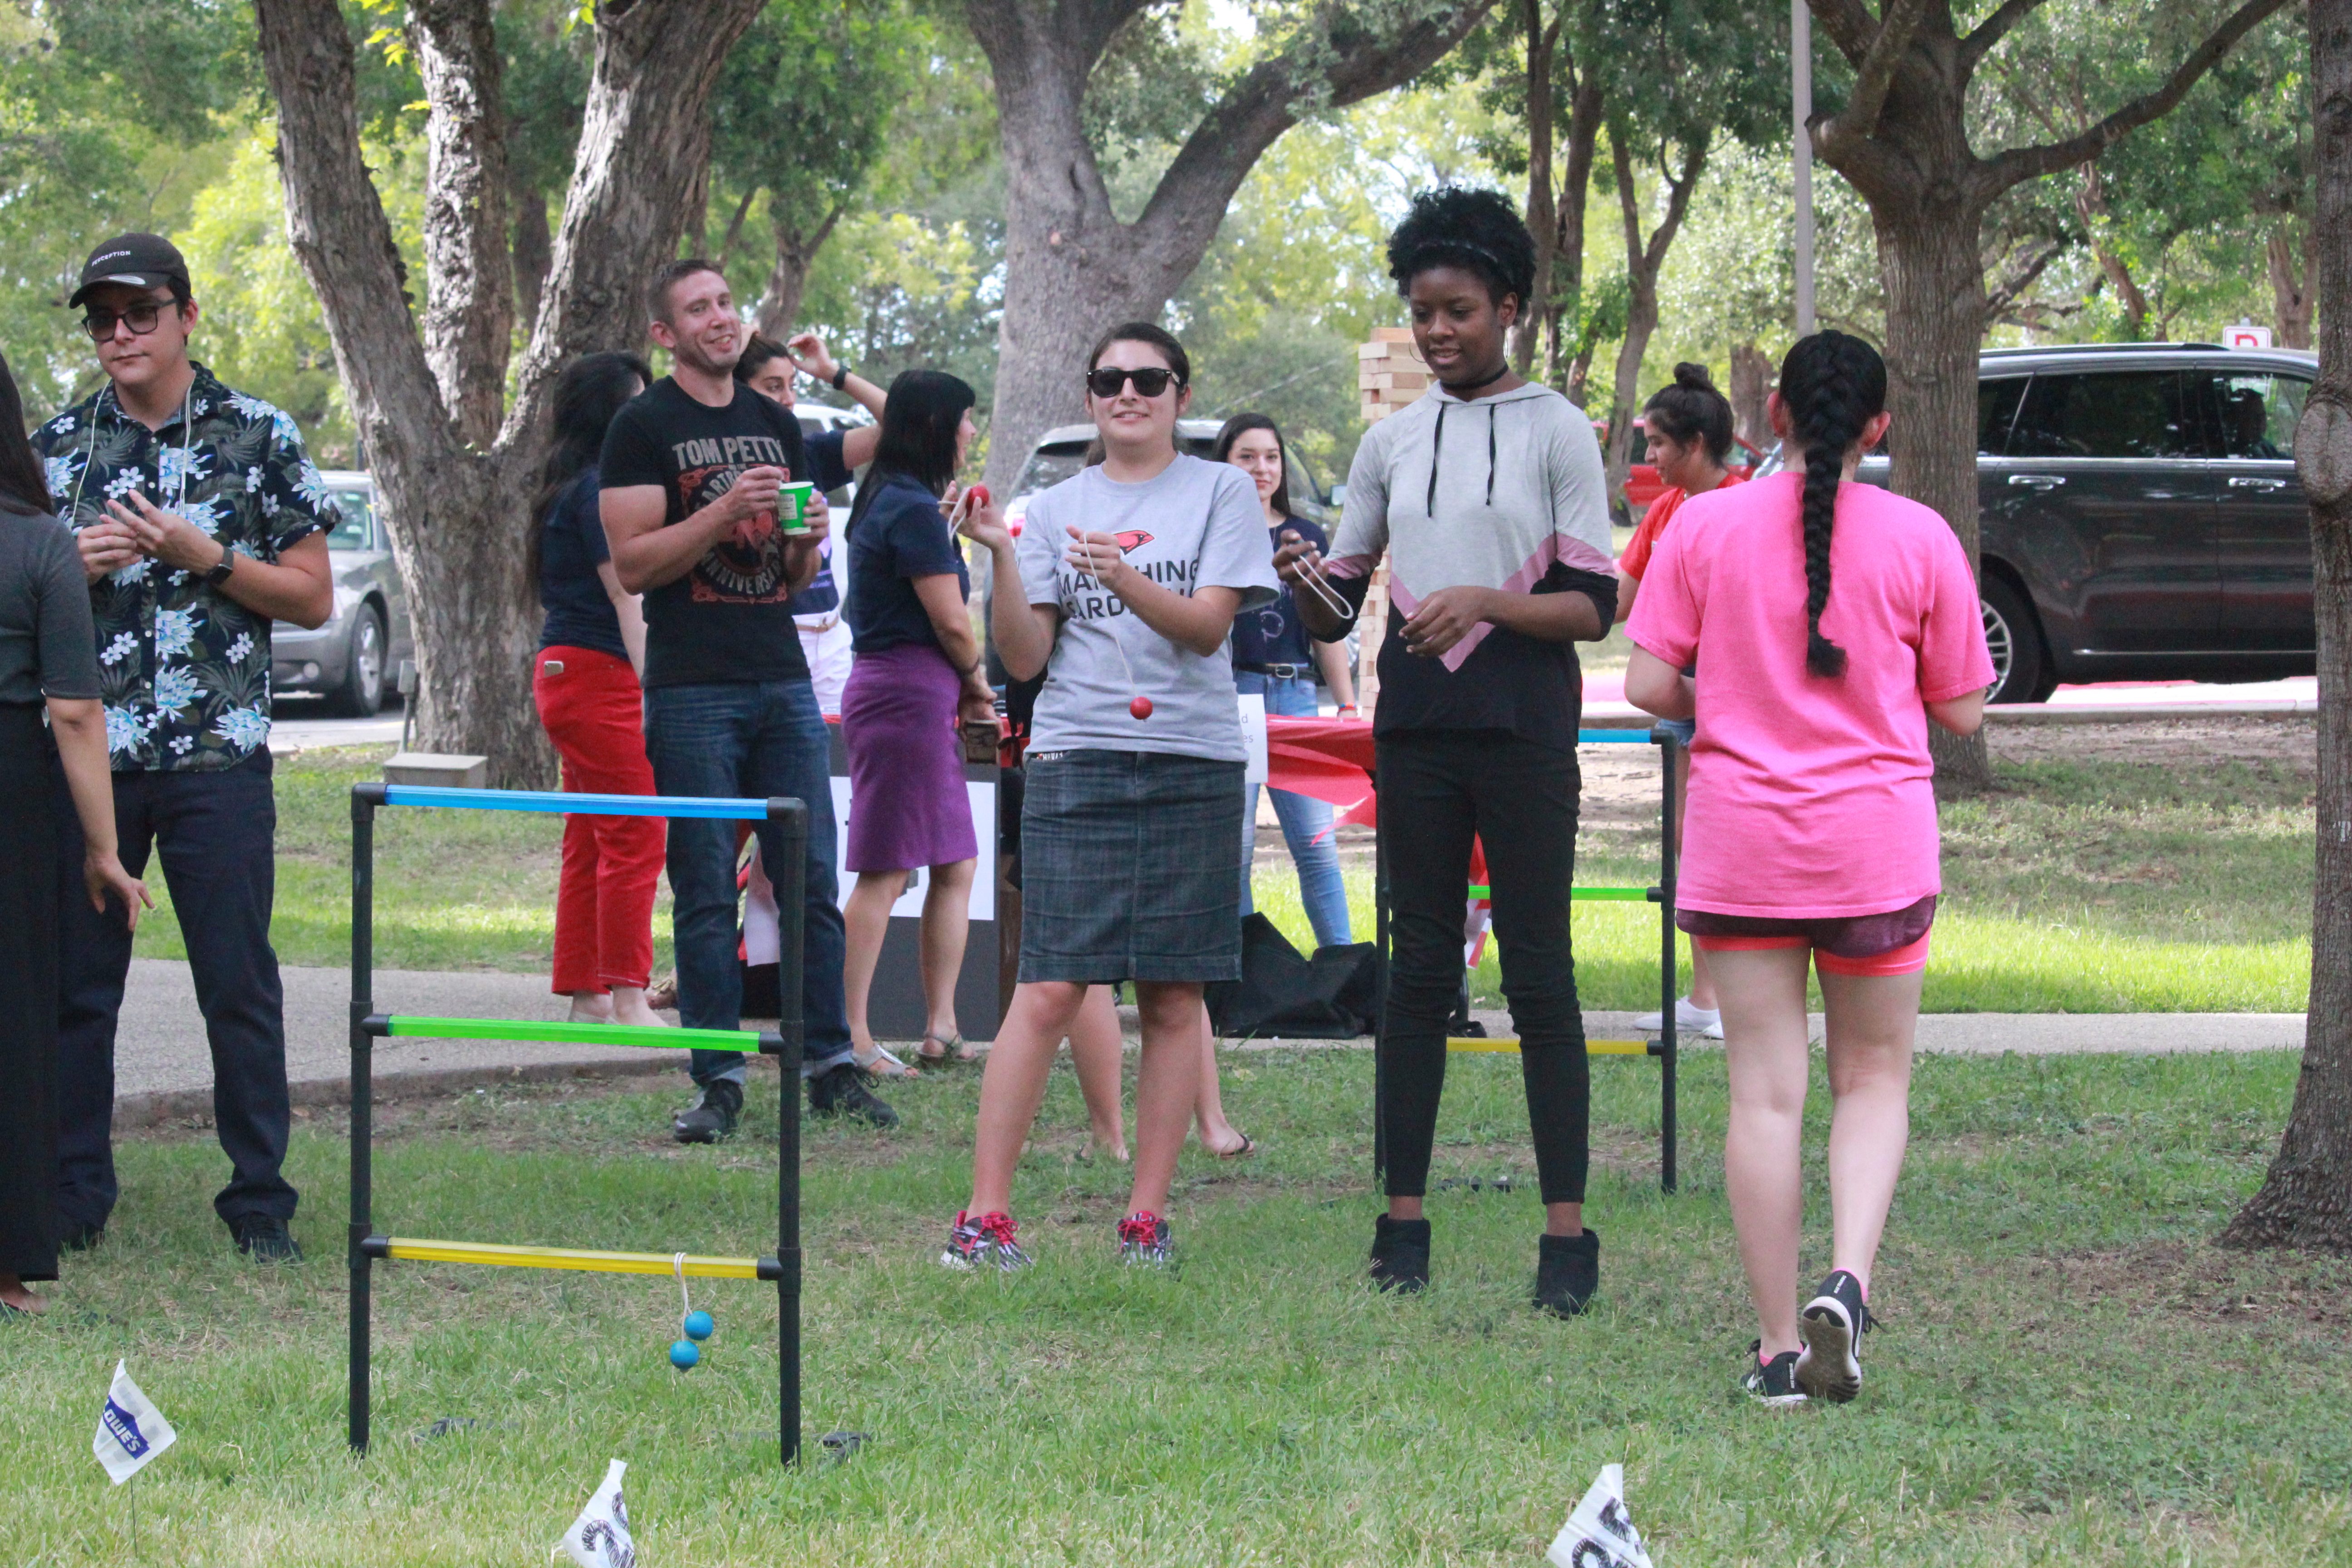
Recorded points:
1195,524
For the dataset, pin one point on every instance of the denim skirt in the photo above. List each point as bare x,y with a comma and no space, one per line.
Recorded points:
1127,861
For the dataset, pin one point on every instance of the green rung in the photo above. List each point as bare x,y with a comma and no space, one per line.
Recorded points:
569,1032
1624,895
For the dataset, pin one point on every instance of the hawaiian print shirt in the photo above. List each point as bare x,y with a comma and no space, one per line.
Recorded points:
184,669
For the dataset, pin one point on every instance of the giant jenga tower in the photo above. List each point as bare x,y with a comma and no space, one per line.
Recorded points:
1389,374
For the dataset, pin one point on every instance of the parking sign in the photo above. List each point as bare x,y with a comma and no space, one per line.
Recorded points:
2246,335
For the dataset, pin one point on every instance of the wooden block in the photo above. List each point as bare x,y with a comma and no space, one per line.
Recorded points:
438,768
1393,335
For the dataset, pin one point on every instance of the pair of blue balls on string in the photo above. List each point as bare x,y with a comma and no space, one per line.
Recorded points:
685,1353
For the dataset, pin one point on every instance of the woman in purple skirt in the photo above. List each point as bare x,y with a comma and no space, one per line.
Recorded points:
917,673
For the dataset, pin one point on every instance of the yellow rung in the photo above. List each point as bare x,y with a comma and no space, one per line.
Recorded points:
1591,1047
499,1257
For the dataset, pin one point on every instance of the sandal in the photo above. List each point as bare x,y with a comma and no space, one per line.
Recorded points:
1249,1147
951,1051
884,1063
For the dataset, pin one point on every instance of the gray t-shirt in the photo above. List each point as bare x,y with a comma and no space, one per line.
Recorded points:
1195,524
47,646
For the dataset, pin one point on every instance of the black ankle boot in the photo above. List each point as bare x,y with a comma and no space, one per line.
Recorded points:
1400,1254
1567,1271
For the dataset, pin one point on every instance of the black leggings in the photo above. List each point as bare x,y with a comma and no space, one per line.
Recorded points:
1437,789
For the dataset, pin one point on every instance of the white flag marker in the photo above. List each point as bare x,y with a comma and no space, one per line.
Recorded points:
599,1538
130,1430
1599,1534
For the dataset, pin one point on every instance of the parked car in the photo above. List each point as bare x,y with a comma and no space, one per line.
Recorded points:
1062,452
346,659
818,417
2139,514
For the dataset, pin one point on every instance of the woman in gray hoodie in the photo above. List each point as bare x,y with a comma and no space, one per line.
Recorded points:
1488,498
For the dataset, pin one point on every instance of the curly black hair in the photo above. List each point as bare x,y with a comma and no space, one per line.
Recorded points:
1455,225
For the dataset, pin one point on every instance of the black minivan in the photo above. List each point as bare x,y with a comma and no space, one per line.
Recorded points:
2140,514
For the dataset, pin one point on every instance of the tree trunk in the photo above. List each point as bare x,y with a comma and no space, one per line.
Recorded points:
534,253
2292,285
1644,262
1584,120
2307,1199
1934,279
1751,383
1072,270
455,481
1543,217
2091,206
779,303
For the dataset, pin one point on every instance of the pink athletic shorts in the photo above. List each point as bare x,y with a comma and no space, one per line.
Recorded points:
1895,942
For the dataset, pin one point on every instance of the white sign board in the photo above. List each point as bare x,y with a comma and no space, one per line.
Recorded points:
910,905
1253,709
2246,335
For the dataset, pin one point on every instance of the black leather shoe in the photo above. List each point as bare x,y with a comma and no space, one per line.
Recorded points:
844,1092
1567,1271
712,1117
265,1239
77,1238
1400,1254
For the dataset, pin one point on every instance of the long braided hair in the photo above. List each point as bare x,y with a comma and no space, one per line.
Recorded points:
1832,385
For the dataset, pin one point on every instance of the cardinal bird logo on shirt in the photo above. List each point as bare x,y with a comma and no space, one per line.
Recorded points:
1132,539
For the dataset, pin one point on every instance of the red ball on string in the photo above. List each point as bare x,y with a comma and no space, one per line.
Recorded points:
1141,708
979,494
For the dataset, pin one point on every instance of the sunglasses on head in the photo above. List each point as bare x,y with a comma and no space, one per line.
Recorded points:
1150,381
142,318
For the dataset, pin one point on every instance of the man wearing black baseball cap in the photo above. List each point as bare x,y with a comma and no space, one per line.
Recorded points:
200,521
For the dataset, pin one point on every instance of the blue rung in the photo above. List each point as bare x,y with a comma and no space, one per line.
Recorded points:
585,804
1617,737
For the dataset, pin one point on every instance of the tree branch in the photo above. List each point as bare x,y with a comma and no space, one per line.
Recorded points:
1874,74
1991,30
2022,163
1849,24
469,282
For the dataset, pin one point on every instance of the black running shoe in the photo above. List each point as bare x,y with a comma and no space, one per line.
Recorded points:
1830,1367
983,1241
1567,1271
1144,1240
1400,1254
264,1238
712,1116
844,1092
1772,1383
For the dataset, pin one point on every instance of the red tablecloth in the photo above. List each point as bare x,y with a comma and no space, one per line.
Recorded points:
1329,758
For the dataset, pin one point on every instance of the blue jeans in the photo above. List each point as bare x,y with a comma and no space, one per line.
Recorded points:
1306,822
747,739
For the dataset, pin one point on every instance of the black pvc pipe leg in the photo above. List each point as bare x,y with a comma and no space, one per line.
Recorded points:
791,887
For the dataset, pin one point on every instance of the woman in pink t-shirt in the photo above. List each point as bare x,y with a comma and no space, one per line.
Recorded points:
1829,622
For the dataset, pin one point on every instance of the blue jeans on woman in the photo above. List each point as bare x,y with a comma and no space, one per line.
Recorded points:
1306,821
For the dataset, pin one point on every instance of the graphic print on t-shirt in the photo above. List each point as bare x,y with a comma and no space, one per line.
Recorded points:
748,566
1086,599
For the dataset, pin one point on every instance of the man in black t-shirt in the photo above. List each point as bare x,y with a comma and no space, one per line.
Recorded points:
691,474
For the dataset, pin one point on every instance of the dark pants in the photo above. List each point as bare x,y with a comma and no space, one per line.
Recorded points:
748,740
28,998
1438,790
215,834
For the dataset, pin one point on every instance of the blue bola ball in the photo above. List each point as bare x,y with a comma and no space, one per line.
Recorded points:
683,1354
699,1325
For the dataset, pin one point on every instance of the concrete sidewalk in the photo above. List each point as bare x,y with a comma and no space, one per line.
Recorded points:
164,1069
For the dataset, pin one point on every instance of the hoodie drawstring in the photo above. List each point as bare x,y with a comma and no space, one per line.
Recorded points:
1436,450
1490,453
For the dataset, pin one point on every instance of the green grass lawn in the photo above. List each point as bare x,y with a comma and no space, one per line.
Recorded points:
2106,884
2069,1371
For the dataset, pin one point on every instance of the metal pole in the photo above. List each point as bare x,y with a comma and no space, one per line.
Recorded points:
365,798
791,880
1669,1036
1800,92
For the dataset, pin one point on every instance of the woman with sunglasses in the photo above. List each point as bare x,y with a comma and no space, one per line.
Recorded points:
1123,590
1488,498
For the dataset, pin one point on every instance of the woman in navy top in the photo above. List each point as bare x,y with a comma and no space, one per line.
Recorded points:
917,670
586,688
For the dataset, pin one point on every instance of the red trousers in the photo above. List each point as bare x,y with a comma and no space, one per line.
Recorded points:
594,712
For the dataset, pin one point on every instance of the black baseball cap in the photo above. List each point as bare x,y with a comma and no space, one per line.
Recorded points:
142,260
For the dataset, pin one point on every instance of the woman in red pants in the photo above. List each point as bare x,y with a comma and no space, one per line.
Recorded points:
586,688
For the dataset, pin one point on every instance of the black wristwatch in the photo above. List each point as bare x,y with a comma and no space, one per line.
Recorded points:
219,575
840,377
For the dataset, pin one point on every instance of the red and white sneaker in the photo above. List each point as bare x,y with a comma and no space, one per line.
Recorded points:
983,1241
1144,1240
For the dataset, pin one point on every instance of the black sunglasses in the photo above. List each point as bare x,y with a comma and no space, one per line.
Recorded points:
141,317
1150,381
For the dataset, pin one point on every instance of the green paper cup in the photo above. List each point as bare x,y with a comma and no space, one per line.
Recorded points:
793,505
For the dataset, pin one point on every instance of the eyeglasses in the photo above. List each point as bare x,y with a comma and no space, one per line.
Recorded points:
142,318
1150,381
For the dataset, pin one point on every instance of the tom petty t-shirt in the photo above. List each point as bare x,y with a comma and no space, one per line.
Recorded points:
1194,524
727,619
